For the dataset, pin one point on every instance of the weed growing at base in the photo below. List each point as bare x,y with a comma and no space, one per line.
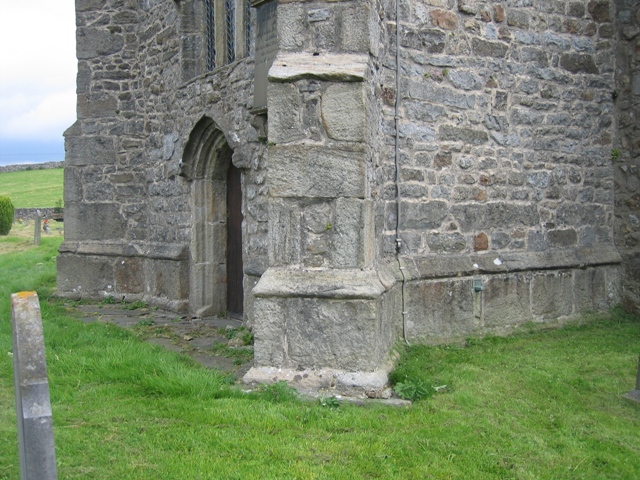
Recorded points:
535,405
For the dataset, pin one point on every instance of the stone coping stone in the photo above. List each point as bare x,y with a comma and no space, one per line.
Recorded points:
158,251
344,67
424,267
339,284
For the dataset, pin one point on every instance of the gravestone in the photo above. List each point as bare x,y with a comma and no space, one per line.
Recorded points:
635,394
36,232
33,406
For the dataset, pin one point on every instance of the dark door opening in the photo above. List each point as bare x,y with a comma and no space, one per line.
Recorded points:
235,291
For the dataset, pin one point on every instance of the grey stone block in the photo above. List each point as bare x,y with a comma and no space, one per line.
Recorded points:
305,171
96,42
552,295
94,221
82,276
343,114
439,310
285,113
353,233
422,215
89,150
506,300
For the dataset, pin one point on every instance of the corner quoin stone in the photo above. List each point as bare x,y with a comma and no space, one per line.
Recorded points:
33,406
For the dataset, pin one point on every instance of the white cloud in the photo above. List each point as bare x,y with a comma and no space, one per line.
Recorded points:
38,68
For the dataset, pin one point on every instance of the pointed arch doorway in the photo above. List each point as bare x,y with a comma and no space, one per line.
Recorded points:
216,270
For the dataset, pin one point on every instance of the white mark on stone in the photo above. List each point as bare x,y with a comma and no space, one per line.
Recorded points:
497,261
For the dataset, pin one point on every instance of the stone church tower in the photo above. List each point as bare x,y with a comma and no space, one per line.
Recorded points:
343,180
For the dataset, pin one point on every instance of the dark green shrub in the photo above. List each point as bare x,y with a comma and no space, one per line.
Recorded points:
6,215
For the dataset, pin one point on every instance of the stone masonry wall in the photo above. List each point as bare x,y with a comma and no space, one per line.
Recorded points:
627,148
507,126
128,212
505,137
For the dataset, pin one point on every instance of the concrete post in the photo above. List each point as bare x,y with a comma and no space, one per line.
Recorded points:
33,407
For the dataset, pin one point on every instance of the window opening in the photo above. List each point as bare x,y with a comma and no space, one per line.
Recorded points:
230,11
211,34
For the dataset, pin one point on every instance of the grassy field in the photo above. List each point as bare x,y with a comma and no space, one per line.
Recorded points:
536,405
33,188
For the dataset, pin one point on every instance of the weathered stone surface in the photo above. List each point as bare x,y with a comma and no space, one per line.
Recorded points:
285,113
343,114
507,300
492,215
89,150
422,215
289,67
303,171
94,221
466,135
599,10
429,40
578,63
444,19
96,105
484,48
441,310
94,42
552,295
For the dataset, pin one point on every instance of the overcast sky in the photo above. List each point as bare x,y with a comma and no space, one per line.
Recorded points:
37,79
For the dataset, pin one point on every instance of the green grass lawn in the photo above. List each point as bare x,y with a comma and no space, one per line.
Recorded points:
537,405
33,188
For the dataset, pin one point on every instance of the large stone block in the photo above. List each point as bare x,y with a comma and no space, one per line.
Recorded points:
94,221
285,232
478,217
506,300
129,275
355,28
353,233
439,310
89,150
285,113
304,171
343,114
422,215
82,276
321,319
96,42
552,295
167,278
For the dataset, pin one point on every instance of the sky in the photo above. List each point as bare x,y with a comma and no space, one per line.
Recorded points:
37,79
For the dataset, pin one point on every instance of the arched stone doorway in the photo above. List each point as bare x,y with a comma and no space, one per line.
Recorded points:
216,275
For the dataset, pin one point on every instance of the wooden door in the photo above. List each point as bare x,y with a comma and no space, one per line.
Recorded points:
235,292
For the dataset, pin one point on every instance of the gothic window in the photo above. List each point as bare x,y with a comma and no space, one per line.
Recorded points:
210,34
230,17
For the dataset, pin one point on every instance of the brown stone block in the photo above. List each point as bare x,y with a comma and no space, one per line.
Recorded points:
444,19
129,275
480,242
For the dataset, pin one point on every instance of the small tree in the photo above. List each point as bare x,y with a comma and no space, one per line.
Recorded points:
6,215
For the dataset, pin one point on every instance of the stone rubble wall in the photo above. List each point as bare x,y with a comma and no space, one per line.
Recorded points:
507,126
627,144
31,166
128,210
506,135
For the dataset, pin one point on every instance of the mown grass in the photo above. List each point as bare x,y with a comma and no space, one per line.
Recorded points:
33,188
540,404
